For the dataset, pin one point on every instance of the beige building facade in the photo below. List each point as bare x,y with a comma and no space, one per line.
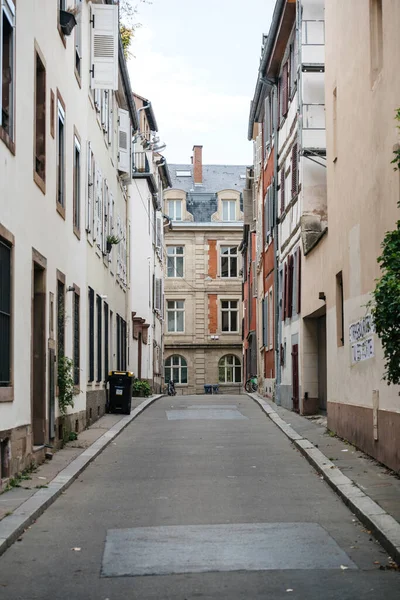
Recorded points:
363,191
203,306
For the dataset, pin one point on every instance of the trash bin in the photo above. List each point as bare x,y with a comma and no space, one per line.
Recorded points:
208,389
119,392
215,388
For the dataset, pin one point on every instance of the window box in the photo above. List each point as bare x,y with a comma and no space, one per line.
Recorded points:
67,22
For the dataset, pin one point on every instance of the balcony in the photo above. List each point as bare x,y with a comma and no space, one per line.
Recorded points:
143,169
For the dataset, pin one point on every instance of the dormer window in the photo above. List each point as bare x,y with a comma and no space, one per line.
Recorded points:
175,210
229,210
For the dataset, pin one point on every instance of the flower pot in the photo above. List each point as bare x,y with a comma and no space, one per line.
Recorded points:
67,22
109,247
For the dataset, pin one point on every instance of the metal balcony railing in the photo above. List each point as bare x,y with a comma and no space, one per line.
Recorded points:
140,164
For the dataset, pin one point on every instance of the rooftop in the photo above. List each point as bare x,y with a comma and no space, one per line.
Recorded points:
215,178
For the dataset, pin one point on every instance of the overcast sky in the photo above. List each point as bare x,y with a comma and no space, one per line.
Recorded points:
197,61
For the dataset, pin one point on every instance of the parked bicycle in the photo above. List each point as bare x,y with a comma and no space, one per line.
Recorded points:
251,384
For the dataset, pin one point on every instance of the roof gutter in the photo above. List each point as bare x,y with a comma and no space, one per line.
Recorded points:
127,87
261,81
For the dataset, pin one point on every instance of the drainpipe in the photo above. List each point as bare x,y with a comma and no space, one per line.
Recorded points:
277,329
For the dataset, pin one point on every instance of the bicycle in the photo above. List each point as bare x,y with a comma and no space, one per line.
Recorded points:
251,384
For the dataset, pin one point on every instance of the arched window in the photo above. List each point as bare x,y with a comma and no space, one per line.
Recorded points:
176,369
229,369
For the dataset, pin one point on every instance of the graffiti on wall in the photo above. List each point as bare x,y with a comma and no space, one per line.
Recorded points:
361,334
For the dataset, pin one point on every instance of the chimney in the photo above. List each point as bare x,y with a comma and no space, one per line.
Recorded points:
198,164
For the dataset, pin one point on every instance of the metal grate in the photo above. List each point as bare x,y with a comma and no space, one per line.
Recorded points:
5,314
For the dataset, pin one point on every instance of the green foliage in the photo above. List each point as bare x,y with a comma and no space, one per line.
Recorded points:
128,11
66,389
113,240
142,387
396,159
385,306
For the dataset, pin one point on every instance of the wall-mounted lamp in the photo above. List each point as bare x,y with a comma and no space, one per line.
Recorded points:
214,337
322,296
71,288
103,296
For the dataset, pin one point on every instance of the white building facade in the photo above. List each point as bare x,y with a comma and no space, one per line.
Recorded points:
63,198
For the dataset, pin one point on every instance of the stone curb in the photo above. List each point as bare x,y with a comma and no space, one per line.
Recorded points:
12,527
384,527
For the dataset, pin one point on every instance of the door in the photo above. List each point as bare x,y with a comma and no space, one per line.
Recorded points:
295,377
139,368
39,355
322,379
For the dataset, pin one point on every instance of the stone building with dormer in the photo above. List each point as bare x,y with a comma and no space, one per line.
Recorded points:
203,296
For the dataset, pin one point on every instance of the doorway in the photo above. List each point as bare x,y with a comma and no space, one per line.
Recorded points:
322,366
139,356
295,377
38,359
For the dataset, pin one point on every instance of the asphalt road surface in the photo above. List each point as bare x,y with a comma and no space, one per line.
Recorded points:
200,497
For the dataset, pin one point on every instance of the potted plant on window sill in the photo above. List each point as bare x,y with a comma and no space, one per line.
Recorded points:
141,388
68,20
112,240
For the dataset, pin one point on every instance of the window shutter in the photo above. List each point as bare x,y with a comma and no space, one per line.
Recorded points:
290,287
271,206
265,321
98,237
266,220
298,280
295,176
110,127
158,232
104,47
285,95
119,246
104,111
285,294
282,189
158,295
90,190
124,141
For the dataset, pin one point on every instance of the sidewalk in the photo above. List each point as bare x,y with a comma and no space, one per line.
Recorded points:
21,505
370,490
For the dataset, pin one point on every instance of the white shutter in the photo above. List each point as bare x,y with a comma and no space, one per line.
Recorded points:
111,214
119,246
104,47
104,111
90,190
158,232
110,126
158,294
124,141
99,208
105,216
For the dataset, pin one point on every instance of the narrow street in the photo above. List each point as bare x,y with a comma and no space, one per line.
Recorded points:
200,497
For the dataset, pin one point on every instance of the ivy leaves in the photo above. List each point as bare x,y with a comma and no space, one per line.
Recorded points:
386,296
66,389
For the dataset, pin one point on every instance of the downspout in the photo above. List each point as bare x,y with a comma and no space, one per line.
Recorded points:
277,329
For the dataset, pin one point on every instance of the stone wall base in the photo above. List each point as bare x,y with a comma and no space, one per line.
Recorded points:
95,405
355,424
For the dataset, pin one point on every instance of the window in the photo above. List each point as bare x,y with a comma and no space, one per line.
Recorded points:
61,157
229,369
229,261
52,112
91,334
175,210
229,210
78,37
265,322
175,261
77,185
157,291
76,338
90,189
183,173
175,315
268,213
5,314
270,336
40,121
99,336
7,49
339,309
176,369
267,125
376,37
283,91
229,315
